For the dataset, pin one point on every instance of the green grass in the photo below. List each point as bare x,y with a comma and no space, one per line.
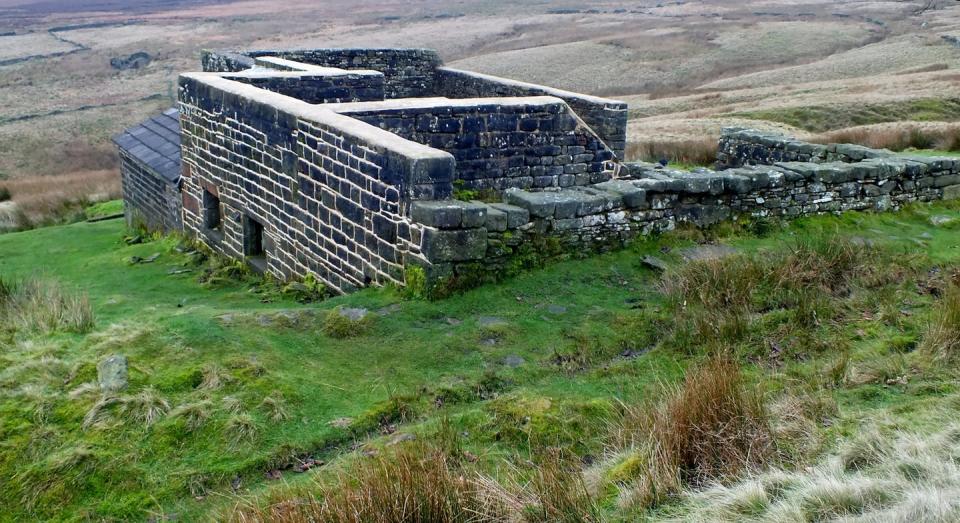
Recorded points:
103,209
828,118
228,382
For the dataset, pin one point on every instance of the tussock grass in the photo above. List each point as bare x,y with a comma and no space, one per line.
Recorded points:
275,407
419,482
146,407
410,484
712,427
240,429
194,415
785,293
43,306
700,152
143,408
900,476
941,340
897,137
339,325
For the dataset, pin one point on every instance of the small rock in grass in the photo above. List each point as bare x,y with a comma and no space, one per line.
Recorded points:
556,309
400,438
353,314
654,263
940,220
112,373
513,361
490,321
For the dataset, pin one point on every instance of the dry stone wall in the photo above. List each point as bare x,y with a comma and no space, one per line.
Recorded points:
498,143
300,189
739,147
467,243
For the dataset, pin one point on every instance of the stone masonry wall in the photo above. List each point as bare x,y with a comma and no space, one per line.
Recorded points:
317,88
148,200
409,73
330,193
607,118
499,143
470,242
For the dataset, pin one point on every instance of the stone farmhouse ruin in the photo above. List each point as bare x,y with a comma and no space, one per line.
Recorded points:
368,166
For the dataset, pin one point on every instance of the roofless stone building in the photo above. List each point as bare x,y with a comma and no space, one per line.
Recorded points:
355,165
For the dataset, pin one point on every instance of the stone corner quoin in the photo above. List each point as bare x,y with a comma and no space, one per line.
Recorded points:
353,165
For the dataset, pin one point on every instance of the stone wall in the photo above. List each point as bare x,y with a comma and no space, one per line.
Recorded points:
224,61
148,200
499,143
467,243
297,189
740,147
607,118
317,87
408,73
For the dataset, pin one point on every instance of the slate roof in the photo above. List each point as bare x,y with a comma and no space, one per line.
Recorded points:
155,143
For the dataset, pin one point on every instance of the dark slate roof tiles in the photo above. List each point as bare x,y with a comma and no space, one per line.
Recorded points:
155,143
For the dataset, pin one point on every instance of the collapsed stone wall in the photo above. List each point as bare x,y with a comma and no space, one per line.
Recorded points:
467,243
149,200
498,143
739,147
298,188
607,118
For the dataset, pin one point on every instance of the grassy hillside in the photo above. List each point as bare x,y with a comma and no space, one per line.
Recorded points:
235,386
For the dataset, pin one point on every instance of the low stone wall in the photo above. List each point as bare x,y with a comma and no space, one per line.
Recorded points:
466,243
607,118
408,73
224,61
316,87
148,200
299,189
499,143
740,147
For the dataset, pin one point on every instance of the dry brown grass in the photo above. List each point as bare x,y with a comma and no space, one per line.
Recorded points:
41,200
37,305
419,482
941,340
712,427
411,484
897,137
700,151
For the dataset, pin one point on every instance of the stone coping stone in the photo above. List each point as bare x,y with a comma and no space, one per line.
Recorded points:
274,73
277,63
516,216
449,214
552,91
632,196
488,104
